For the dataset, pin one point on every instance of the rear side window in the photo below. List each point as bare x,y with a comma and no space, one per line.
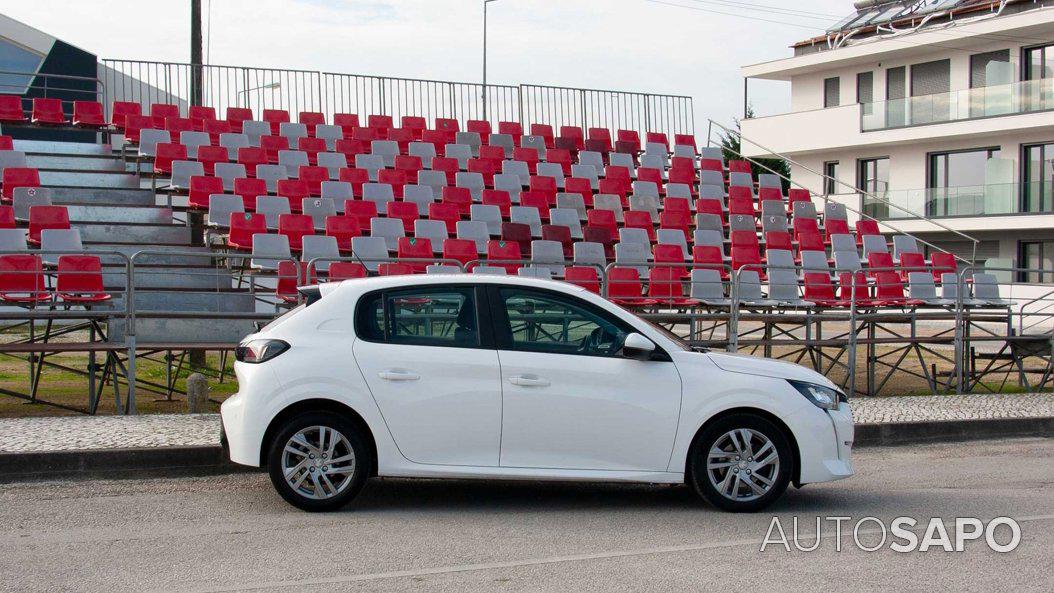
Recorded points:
441,316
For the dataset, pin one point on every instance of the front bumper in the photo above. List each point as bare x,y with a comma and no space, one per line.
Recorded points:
826,444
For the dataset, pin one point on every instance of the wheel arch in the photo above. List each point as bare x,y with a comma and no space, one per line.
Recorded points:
316,405
769,416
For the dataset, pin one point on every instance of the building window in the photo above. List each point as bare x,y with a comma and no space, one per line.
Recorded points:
865,91
831,91
957,183
1036,255
979,68
1037,63
930,97
830,180
896,91
1037,178
873,180
15,60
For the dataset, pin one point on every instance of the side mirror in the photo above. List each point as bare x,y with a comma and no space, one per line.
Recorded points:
637,347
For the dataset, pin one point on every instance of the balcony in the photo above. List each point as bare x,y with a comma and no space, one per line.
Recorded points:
963,201
1026,96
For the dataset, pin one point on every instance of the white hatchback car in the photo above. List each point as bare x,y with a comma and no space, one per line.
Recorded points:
468,376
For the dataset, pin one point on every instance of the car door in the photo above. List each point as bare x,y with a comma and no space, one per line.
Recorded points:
432,372
569,398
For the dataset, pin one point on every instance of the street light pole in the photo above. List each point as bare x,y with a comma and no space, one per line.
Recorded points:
485,3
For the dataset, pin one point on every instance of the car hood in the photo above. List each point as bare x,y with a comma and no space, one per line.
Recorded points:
765,367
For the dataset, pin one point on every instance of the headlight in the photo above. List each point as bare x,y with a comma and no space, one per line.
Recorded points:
257,351
820,395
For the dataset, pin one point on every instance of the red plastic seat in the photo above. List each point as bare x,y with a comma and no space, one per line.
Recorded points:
602,235
526,155
203,186
685,140
311,120
628,139
15,177
22,279
134,124
710,257
275,117
519,233
574,133
912,262
745,250
7,217
410,163
346,120
665,286
538,200
215,127
415,248
659,137
866,227
449,213
249,188
581,186
208,156
879,261
121,110
199,114
835,226
343,229
414,125
346,270
585,276
437,138
546,132
499,198
481,127
403,137
164,110
494,154
177,125
682,175
237,115
404,211
296,227
458,196
446,124
652,175
313,176
797,194
625,288
889,291
810,241
943,263
11,109
671,254
312,146
395,269
48,112
602,219
638,219
462,250
710,206
296,190
379,121
251,157
290,275
271,145
546,185
356,177
165,153
395,178
7,143
512,128
711,165
819,289
46,217
853,285
777,240
770,193
504,250
560,234
485,168
447,165
243,225
560,157
80,280
676,219
361,211
739,166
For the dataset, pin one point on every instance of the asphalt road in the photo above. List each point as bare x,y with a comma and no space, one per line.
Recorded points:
233,533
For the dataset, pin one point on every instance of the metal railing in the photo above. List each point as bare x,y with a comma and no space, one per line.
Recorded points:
44,85
329,93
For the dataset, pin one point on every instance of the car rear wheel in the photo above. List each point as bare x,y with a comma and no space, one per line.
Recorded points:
741,463
318,461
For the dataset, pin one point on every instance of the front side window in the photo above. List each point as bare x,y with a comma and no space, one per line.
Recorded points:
443,316
557,324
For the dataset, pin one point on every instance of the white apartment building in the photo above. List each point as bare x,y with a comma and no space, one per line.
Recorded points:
933,116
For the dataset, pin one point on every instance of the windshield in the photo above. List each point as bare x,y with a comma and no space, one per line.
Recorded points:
678,340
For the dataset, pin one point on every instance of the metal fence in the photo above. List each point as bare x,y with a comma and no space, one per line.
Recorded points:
329,93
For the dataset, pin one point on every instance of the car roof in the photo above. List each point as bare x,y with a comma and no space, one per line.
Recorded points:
411,280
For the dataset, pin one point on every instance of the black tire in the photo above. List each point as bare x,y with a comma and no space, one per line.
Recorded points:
330,420
700,480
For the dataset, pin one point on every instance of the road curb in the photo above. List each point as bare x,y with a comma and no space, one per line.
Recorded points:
204,460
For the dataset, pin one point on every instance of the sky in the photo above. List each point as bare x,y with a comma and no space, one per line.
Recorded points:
637,45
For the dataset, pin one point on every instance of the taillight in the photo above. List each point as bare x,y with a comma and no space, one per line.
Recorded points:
257,351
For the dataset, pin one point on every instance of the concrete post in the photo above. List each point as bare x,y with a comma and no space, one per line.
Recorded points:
197,394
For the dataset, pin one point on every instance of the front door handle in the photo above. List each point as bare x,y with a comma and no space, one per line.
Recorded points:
529,381
398,375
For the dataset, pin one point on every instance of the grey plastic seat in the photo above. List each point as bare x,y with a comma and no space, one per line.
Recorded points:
586,172
13,240
535,142
518,168
921,286
554,170
714,178
714,238
442,269
574,202
904,244
194,140
645,188
847,261
638,236
228,172
425,150
834,211
387,150
253,129
843,242
293,131
511,183
633,255
707,288
490,270
741,179
777,259
232,142
750,290
655,161
588,253
472,181
655,148
461,152
271,174
476,231
712,152
371,250
742,222
379,193
804,210
434,179
679,190
470,139
986,290
268,250
422,195
684,150
319,209
589,158
390,229
783,288
149,139
534,271
333,162
23,198
769,180
371,162
272,207
673,237
548,255
950,290
56,240
491,215
645,203
221,206
292,160
709,222
814,261
774,208
568,218
339,192
620,159
182,171
503,140
609,202
321,247
874,244
330,133
12,158
774,222
529,216
433,230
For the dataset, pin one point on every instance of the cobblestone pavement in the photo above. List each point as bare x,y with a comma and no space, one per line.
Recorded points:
162,430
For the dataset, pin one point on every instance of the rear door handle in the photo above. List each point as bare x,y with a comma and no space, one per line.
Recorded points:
398,375
528,381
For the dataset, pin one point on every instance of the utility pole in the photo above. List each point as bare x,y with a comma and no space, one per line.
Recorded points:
195,52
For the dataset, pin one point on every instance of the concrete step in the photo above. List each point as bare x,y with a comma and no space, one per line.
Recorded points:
143,235
216,302
102,195
174,277
89,179
75,163
62,148
211,331
169,256
120,214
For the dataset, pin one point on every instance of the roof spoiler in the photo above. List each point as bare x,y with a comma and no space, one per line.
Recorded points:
311,293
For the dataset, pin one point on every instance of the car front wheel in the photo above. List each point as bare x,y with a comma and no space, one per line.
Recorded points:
741,463
318,461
